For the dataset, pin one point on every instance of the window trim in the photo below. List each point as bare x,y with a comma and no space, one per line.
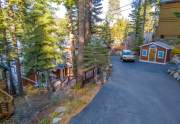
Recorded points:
142,53
159,51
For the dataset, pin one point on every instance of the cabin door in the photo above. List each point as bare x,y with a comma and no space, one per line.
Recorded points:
152,54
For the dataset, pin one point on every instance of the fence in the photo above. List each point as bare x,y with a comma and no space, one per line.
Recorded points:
6,104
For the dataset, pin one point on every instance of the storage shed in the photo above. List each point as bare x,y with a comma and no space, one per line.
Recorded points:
155,52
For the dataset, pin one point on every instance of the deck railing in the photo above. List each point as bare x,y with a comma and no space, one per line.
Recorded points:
6,104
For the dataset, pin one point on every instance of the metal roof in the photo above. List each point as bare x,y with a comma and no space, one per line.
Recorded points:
159,43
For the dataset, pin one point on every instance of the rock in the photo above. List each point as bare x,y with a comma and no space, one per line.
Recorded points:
178,78
172,72
60,110
60,115
176,75
176,59
56,120
169,71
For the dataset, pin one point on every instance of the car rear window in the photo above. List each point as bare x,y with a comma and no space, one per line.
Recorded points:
127,53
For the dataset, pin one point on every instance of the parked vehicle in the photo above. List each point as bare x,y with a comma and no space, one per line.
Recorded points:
127,55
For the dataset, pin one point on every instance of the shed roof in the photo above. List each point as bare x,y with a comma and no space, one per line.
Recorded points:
159,43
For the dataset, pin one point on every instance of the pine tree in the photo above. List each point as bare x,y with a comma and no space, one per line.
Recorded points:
72,17
136,24
95,17
96,55
12,17
120,29
41,50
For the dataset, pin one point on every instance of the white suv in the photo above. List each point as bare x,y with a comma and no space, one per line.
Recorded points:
127,55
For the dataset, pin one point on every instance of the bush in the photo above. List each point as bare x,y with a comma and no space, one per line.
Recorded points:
176,51
45,121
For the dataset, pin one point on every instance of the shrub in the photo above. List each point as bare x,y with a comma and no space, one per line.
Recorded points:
176,51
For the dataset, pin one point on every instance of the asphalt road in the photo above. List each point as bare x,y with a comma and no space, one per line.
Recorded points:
137,93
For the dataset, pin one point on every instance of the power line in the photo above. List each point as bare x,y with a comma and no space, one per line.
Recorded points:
120,11
122,7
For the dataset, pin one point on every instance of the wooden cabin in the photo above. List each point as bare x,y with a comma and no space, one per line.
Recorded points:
62,71
155,52
169,24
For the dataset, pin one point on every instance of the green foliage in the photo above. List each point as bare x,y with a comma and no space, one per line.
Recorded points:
45,121
11,27
61,29
96,12
41,50
141,25
96,54
136,24
176,51
103,31
120,30
177,14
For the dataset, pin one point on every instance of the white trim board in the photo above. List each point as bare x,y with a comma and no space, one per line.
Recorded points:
152,62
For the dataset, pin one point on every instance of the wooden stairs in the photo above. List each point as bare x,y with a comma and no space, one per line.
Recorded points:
6,104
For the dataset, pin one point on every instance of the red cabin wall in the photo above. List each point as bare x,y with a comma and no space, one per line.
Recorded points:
144,58
167,56
160,60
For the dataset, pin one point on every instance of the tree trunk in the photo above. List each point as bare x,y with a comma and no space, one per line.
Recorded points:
12,86
88,14
144,17
18,67
81,28
72,40
14,41
138,21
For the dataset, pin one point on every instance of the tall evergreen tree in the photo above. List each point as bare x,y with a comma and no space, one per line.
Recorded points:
41,51
136,24
12,32
95,17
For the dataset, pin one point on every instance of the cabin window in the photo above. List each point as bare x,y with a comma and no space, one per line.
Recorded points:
144,52
161,54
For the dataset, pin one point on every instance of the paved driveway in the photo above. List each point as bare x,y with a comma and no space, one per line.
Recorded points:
137,93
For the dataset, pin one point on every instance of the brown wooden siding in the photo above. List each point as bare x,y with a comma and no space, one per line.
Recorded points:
168,23
168,58
160,60
144,48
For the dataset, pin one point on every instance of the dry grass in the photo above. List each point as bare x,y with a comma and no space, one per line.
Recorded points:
75,101
80,98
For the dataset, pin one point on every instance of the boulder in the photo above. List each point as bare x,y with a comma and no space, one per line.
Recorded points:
176,59
60,110
56,120
171,69
176,75
172,72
